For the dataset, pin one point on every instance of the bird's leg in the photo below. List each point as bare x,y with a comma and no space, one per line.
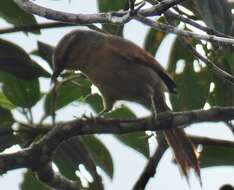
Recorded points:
101,113
153,108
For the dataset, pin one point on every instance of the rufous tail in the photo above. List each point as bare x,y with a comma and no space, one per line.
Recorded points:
183,148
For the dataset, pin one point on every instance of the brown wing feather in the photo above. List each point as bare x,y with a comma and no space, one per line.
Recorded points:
140,56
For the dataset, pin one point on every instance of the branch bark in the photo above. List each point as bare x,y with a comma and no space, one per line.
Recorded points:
41,152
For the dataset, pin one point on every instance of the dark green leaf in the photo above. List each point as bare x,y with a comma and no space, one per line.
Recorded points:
122,112
95,102
22,93
5,103
15,15
217,156
192,87
112,5
68,92
99,153
137,141
14,60
30,182
216,14
223,59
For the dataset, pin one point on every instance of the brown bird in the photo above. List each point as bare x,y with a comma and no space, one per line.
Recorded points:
123,71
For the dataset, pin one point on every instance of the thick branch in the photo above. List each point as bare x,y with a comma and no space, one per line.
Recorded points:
114,17
40,153
54,180
120,17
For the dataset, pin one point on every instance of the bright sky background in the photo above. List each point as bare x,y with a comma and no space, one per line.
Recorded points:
128,163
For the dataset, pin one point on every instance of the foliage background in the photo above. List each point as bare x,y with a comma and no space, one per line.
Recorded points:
122,156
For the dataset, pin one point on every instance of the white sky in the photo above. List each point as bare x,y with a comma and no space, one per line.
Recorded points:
128,163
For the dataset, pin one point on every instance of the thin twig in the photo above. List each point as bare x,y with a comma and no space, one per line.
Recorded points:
167,28
151,166
213,67
49,25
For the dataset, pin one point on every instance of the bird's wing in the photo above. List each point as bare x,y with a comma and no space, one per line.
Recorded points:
134,54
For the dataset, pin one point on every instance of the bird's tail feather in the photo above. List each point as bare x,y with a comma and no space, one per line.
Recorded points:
184,150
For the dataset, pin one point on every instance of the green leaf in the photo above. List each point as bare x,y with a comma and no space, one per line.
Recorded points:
216,156
136,140
30,182
5,103
22,93
99,153
122,112
95,102
15,15
14,60
192,87
68,92
216,14
111,5
72,153
223,59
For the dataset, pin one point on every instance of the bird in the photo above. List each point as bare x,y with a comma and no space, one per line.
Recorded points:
121,70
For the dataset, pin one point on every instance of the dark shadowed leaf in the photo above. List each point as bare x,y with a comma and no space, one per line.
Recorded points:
6,118
72,153
22,93
30,182
14,60
217,156
226,187
15,15
216,14
99,153
45,51
68,92
112,5
192,87
7,138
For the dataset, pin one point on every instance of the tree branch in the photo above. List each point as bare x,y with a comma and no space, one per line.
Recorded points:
113,17
152,164
167,28
54,180
40,153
